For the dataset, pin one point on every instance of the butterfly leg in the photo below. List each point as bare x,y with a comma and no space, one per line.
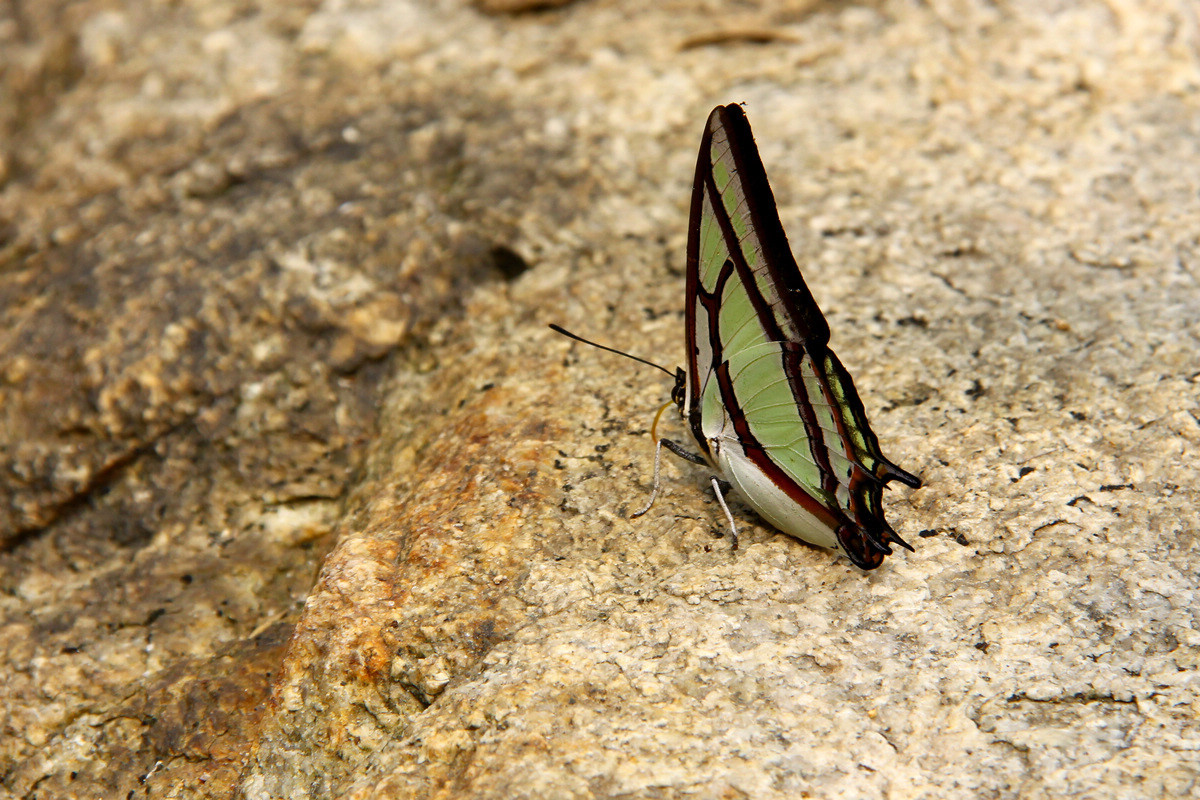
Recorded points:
716,484
654,492
678,450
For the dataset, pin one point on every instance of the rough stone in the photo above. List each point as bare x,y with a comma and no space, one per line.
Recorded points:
275,285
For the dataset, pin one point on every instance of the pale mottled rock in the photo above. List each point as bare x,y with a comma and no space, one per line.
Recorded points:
201,285
995,206
965,204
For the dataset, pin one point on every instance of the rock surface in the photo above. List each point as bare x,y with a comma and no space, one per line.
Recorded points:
274,283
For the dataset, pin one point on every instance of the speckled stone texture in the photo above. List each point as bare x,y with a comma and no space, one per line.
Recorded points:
300,498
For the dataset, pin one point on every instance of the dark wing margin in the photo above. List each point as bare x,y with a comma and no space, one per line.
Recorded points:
689,403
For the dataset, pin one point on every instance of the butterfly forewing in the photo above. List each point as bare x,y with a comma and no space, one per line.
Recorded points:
736,176
766,400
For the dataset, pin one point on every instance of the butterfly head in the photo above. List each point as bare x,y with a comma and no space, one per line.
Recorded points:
679,391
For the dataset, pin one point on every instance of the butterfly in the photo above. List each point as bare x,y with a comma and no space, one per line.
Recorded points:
770,407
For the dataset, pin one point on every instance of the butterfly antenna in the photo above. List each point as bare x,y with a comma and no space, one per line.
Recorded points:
569,335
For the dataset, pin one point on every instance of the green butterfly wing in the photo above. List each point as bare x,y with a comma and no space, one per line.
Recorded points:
768,403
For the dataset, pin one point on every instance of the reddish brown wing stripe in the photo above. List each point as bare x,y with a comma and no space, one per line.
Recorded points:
766,315
758,455
711,302
793,354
